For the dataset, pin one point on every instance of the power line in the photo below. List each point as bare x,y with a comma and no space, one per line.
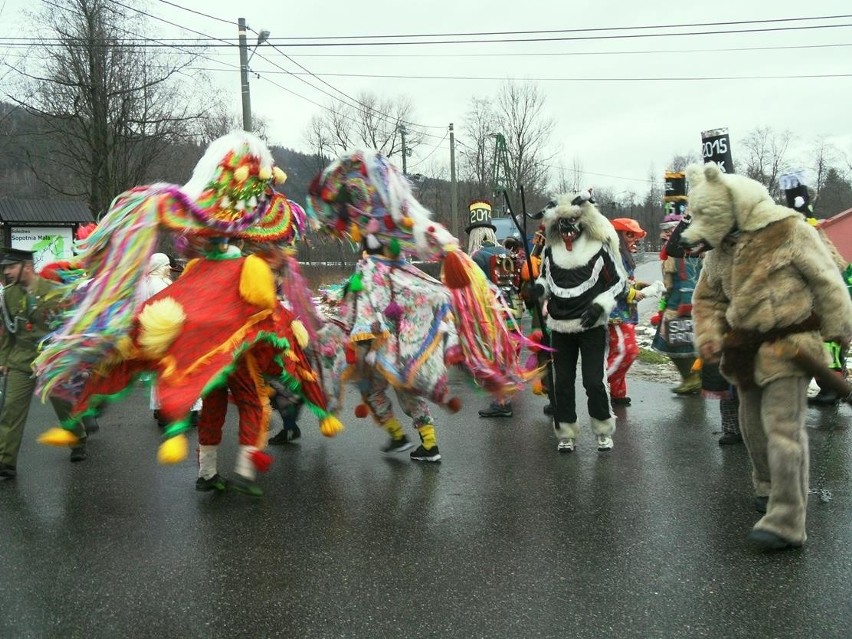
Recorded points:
570,53
575,30
418,163
565,79
274,63
291,43
382,116
199,13
349,97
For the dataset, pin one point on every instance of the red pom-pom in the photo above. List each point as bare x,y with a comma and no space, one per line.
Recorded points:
51,271
656,318
431,229
454,405
361,411
351,358
341,225
261,461
453,356
85,231
390,225
455,275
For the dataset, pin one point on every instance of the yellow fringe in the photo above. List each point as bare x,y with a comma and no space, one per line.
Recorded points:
330,426
257,283
160,324
57,436
300,333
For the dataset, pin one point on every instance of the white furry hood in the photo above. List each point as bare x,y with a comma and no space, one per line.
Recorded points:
595,225
752,206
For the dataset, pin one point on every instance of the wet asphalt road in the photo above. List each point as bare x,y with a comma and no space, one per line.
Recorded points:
504,538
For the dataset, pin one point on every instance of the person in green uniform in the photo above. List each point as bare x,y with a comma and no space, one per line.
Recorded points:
28,312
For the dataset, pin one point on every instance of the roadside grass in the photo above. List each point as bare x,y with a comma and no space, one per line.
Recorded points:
647,356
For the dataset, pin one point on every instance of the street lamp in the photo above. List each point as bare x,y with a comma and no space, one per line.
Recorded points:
262,37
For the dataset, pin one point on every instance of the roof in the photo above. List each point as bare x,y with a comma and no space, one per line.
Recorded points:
13,211
836,218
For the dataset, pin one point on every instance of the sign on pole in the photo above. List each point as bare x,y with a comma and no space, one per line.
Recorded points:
48,243
716,147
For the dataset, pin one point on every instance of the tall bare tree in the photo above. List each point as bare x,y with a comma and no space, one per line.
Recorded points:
823,156
527,127
477,142
371,121
569,180
681,161
765,156
317,138
107,105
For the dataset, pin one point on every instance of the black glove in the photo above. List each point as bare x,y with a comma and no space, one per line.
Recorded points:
591,315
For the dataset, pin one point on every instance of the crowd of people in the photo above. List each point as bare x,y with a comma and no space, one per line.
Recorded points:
83,340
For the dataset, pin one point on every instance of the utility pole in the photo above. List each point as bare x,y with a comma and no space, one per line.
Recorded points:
454,187
402,132
244,83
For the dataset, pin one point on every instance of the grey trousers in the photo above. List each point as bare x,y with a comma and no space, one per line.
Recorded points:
772,421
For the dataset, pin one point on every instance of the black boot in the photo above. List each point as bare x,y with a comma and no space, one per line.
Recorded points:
824,398
497,410
78,452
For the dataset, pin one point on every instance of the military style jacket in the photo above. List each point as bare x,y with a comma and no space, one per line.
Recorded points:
33,315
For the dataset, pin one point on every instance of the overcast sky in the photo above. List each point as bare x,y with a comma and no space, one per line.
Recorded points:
618,122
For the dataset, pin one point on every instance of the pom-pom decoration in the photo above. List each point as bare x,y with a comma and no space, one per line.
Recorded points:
174,450
261,461
58,437
160,324
331,426
355,285
361,411
455,271
394,247
351,356
300,333
393,311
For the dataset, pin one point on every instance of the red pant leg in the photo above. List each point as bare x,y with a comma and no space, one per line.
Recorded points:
623,351
249,404
214,408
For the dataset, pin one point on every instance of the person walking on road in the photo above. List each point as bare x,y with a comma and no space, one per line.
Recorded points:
28,312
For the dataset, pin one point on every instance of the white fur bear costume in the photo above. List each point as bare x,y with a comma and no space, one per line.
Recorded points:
768,279
581,276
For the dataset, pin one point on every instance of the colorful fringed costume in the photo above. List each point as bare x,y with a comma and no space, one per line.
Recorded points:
401,327
213,320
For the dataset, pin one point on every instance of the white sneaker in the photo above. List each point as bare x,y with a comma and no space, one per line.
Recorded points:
565,445
605,442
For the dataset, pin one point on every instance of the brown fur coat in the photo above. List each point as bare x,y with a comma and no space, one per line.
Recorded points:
769,278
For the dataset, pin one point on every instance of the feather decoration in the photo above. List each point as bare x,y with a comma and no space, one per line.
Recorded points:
491,346
296,291
116,252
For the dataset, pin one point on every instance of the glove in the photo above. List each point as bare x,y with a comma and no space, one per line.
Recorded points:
591,315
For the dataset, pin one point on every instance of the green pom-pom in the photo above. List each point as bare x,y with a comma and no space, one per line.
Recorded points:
355,284
393,247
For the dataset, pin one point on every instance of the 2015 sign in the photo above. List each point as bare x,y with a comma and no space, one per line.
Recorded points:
712,148
716,147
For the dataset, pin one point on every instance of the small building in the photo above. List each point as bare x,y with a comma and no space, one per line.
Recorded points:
839,231
46,227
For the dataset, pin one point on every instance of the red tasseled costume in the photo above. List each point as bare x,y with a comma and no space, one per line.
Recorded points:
220,325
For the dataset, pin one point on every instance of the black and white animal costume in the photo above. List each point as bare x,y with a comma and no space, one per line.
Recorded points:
581,277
